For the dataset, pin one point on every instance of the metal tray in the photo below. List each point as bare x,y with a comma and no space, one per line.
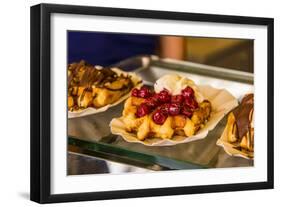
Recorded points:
90,135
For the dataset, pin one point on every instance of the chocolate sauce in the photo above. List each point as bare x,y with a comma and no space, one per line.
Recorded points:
248,99
74,68
243,116
91,75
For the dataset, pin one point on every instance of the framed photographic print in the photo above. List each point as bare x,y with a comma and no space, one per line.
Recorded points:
121,99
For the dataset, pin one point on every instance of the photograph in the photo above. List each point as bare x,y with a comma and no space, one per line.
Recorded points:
122,99
141,103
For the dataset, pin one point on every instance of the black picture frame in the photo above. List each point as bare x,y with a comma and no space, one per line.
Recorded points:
41,96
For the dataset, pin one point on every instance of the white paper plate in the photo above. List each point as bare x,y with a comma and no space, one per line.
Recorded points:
90,110
222,102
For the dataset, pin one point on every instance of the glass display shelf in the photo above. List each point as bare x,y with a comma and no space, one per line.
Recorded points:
91,136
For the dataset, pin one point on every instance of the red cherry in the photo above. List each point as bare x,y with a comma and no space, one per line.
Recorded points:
135,92
152,102
191,103
164,96
177,99
142,110
164,108
152,94
188,92
144,92
159,117
186,111
174,109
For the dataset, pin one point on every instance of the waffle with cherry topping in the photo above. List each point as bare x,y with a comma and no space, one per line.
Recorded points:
162,115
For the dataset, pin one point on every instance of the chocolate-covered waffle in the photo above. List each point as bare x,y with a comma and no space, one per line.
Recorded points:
94,86
240,127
